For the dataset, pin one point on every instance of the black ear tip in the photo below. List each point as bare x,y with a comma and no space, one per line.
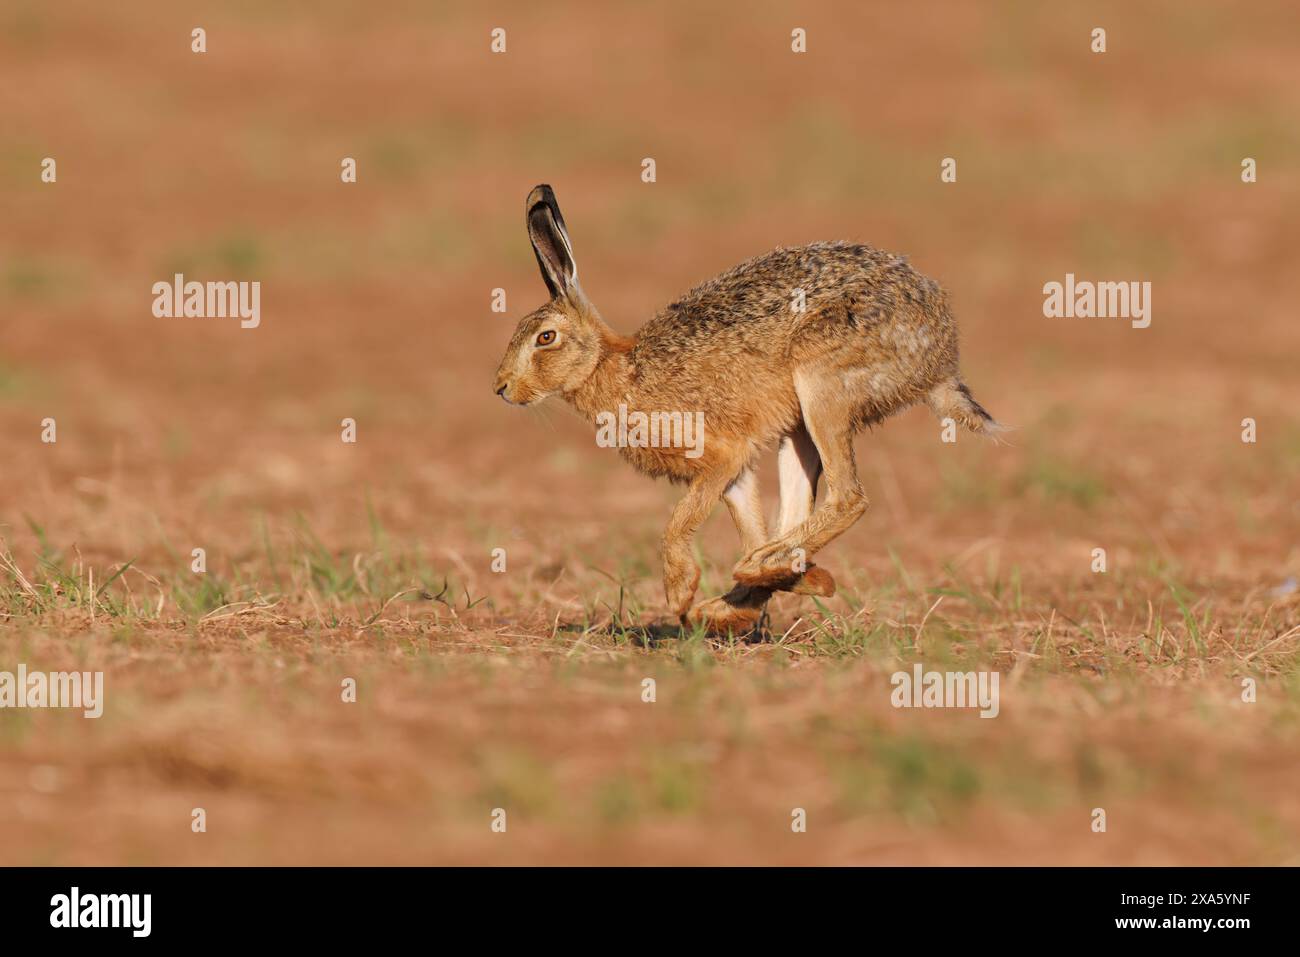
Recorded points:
542,193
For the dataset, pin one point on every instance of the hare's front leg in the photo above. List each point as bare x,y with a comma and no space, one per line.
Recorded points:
800,467
681,574
746,509
742,607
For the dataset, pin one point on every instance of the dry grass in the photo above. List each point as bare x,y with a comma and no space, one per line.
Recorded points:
461,710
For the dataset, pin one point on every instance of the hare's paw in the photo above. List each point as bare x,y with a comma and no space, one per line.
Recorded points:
775,565
815,581
737,612
680,584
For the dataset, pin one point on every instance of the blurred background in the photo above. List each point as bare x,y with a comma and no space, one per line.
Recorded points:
376,295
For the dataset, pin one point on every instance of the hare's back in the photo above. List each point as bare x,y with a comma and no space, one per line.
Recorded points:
773,293
733,343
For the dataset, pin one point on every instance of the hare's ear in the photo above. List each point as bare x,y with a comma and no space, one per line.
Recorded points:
551,244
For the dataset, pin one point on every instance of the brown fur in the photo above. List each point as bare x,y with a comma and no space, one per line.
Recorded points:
874,337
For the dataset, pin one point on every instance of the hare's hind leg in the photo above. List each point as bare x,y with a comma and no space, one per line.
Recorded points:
828,419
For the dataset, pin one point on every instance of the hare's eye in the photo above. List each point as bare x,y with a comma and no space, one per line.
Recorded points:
546,338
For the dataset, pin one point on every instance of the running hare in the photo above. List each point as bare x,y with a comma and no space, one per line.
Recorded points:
801,346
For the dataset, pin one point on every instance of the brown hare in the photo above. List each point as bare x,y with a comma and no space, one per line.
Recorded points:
801,347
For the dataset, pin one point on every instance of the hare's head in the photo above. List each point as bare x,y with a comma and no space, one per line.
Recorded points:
555,348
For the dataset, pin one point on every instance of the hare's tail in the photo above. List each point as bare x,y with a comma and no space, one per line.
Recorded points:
951,399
